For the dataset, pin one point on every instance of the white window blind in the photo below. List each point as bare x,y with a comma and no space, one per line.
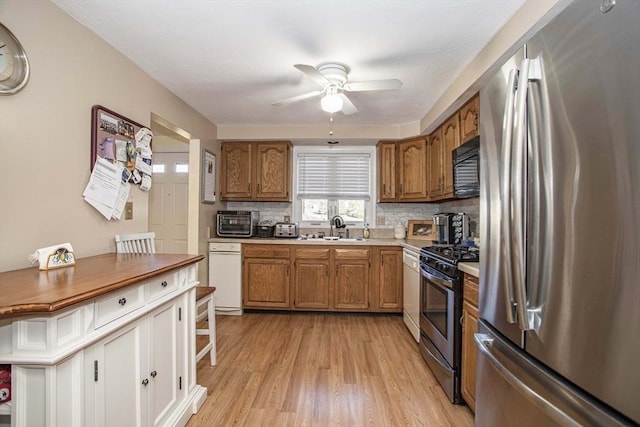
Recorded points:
340,176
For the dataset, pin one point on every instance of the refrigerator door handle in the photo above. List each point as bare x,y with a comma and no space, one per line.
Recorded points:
538,109
484,343
505,195
518,196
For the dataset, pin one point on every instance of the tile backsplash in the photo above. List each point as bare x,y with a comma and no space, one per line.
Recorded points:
392,213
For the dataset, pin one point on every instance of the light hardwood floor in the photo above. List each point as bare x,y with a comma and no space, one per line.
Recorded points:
320,370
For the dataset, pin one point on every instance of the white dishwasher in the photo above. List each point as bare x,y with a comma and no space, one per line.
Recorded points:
411,292
225,273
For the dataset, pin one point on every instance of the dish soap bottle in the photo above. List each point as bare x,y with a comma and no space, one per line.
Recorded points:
365,232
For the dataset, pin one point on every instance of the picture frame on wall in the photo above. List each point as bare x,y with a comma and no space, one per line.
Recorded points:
421,229
208,177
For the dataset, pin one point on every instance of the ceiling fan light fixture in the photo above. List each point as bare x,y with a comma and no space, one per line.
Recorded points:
331,103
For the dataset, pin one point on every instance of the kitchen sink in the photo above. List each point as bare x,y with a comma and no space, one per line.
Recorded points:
333,239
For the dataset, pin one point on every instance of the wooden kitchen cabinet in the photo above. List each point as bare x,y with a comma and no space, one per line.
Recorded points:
450,141
412,169
469,119
235,171
255,171
312,278
266,276
470,317
387,171
387,284
351,284
402,170
435,181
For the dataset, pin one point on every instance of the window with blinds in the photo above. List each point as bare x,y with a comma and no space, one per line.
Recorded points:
333,183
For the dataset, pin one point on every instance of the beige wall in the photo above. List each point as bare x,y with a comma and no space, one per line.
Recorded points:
526,21
45,136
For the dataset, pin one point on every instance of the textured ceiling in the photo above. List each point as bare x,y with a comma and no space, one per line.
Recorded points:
230,60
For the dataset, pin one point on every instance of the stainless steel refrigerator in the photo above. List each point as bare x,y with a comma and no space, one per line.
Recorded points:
559,335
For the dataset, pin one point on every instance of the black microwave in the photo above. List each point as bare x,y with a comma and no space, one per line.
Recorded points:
466,169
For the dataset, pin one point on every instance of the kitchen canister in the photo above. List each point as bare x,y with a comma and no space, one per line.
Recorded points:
398,231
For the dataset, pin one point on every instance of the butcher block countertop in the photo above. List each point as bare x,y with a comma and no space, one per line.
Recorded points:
30,291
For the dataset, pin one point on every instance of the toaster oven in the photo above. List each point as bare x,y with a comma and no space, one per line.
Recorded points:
237,223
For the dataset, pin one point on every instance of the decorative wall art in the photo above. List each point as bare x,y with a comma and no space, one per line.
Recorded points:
208,177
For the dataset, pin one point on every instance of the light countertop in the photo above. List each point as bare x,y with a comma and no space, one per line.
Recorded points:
472,268
415,245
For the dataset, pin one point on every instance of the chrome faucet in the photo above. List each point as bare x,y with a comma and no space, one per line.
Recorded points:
336,222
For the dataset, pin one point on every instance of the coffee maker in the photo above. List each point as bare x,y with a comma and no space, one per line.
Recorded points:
451,228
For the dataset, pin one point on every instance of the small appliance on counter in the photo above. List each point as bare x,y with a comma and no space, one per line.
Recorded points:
451,228
285,229
237,223
265,228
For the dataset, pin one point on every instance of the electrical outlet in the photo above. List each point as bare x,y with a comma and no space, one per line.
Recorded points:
380,220
128,210
287,218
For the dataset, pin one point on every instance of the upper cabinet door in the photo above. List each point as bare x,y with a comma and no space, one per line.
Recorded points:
412,169
259,171
470,119
235,176
387,171
451,141
435,165
273,171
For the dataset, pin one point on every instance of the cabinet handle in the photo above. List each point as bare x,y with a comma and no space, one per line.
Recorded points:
153,374
327,270
164,284
145,382
258,188
462,319
401,189
249,188
122,301
384,188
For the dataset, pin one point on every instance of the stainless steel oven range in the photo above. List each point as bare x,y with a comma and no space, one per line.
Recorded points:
440,312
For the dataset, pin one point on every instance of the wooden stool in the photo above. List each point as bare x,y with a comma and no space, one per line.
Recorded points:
204,295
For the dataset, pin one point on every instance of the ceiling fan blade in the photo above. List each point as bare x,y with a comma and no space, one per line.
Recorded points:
347,106
313,74
389,84
298,98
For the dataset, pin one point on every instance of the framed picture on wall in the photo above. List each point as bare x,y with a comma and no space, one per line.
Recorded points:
421,229
208,177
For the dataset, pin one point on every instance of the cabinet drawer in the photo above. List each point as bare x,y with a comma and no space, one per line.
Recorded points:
470,291
160,286
313,253
117,304
265,251
352,253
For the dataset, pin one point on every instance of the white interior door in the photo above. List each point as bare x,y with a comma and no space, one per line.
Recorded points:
168,202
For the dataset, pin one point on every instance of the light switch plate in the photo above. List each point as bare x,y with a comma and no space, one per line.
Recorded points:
128,210
380,220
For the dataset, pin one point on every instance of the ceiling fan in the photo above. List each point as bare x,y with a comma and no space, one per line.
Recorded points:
333,79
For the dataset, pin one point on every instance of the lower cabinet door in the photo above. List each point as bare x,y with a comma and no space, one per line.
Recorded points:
352,284
116,367
266,283
469,353
166,354
311,283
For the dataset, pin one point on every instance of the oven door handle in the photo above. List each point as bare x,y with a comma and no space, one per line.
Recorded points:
438,280
436,357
